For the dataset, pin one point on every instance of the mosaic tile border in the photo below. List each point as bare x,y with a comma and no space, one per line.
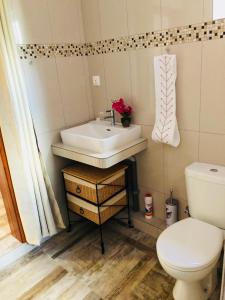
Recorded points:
185,34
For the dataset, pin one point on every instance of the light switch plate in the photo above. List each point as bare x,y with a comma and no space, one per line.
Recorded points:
96,80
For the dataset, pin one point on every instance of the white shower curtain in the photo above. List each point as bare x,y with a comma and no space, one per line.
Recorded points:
39,210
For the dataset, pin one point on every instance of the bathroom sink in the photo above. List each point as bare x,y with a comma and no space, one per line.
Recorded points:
100,136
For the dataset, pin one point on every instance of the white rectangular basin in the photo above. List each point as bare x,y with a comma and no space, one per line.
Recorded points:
100,136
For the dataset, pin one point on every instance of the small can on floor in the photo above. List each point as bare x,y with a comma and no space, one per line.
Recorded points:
148,206
172,206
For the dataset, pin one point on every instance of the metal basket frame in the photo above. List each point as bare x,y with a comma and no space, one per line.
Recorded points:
102,204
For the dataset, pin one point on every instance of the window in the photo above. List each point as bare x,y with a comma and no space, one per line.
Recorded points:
218,9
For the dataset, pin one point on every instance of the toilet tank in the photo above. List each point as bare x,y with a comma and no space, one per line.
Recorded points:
205,184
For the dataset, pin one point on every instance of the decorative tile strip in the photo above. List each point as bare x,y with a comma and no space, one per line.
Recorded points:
185,34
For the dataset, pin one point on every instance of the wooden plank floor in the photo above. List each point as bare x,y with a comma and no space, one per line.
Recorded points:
70,266
7,241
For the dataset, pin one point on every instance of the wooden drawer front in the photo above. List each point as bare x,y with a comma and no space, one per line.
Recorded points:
90,211
87,190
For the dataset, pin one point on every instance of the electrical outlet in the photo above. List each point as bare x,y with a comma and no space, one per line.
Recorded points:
96,80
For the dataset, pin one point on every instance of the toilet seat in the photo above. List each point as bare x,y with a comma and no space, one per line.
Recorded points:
190,245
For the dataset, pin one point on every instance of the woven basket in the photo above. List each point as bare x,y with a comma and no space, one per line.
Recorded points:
93,190
90,211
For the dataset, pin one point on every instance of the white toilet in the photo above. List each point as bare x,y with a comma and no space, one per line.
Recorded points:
189,249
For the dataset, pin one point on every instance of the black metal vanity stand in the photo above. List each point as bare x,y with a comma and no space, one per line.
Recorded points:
99,205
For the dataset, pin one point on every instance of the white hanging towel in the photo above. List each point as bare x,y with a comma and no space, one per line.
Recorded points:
165,129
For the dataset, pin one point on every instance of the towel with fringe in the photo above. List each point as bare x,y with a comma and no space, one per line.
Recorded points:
165,128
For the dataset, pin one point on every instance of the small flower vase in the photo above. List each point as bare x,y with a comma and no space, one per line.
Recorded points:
126,120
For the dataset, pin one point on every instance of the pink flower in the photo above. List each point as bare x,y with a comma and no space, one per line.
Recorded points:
120,106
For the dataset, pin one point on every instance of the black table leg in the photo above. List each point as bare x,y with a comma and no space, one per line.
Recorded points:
128,188
100,222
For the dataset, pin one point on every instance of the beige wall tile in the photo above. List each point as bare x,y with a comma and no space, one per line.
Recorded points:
213,87
188,84
66,22
212,148
91,20
150,163
143,16
117,72
88,88
99,98
31,21
208,10
143,88
176,159
181,12
113,16
73,89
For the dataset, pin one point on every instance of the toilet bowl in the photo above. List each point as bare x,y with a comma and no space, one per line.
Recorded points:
189,251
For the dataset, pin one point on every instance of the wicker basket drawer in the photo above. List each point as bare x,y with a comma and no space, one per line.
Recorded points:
88,190
90,211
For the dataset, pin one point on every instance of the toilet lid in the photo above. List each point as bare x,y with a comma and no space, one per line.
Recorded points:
189,244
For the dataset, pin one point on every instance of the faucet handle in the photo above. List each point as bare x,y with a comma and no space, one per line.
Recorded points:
112,115
111,111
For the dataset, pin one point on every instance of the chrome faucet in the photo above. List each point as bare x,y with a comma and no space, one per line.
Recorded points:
111,116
